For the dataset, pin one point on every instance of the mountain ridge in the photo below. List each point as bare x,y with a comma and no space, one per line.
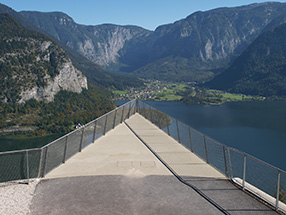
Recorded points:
260,69
41,91
191,49
40,67
95,74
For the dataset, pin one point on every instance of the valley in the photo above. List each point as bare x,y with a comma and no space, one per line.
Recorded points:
56,73
189,93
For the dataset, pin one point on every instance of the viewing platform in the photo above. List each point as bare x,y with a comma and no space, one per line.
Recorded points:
118,174
138,160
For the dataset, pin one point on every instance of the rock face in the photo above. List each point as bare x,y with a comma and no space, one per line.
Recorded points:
32,66
69,79
191,49
100,43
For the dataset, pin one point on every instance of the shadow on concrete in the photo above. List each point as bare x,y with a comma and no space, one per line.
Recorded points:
229,196
118,195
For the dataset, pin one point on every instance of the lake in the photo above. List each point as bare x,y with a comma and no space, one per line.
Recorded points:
257,128
11,143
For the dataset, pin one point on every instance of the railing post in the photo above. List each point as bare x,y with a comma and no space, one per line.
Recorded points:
190,138
45,162
122,115
65,152
134,107
178,132
81,140
205,143
40,164
104,130
278,191
244,172
168,128
225,164
151,115
230,166
129,110
144,114
94,131
114,118
27,162
137,106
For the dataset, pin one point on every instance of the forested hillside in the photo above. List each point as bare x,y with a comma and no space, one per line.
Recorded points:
41,91
93,71
261,68
195,48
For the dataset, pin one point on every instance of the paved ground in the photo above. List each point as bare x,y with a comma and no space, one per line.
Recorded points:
118,195
119,175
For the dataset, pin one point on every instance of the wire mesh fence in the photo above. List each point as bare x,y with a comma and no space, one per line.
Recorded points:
33,163
20,165
266,181
252,174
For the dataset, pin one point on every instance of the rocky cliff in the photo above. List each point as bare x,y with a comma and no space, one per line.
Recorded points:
100,43
69,79
32,66
191,49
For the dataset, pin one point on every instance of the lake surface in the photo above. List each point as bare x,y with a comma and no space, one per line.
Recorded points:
11,144
257,128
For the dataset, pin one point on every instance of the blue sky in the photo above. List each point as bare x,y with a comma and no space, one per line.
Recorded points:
145,13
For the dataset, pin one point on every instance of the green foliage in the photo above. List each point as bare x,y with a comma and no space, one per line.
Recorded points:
176,69
59,116
159,118
28,59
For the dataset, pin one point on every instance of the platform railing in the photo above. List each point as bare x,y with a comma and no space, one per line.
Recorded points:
252,174
35,163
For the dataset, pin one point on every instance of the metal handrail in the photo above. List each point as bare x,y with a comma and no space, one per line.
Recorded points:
125,113
227,150
221,144
68,134
19,151
42,159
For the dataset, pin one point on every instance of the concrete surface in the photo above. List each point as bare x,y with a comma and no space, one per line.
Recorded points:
118,195
119,175
179,158
119,152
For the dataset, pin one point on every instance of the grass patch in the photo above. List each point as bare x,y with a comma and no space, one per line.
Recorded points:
120,92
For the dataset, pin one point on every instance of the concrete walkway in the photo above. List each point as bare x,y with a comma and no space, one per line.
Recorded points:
119,175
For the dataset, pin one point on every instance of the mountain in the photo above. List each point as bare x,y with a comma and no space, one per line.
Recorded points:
95,74
192,49
41,91
261,68
100,43
32,66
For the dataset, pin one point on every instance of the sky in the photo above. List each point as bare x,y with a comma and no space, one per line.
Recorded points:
148,14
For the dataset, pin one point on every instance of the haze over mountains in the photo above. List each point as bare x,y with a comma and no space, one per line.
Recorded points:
53,67
261,68
198,48
192,49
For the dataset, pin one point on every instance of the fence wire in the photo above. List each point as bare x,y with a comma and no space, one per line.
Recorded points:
25,164
249,172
